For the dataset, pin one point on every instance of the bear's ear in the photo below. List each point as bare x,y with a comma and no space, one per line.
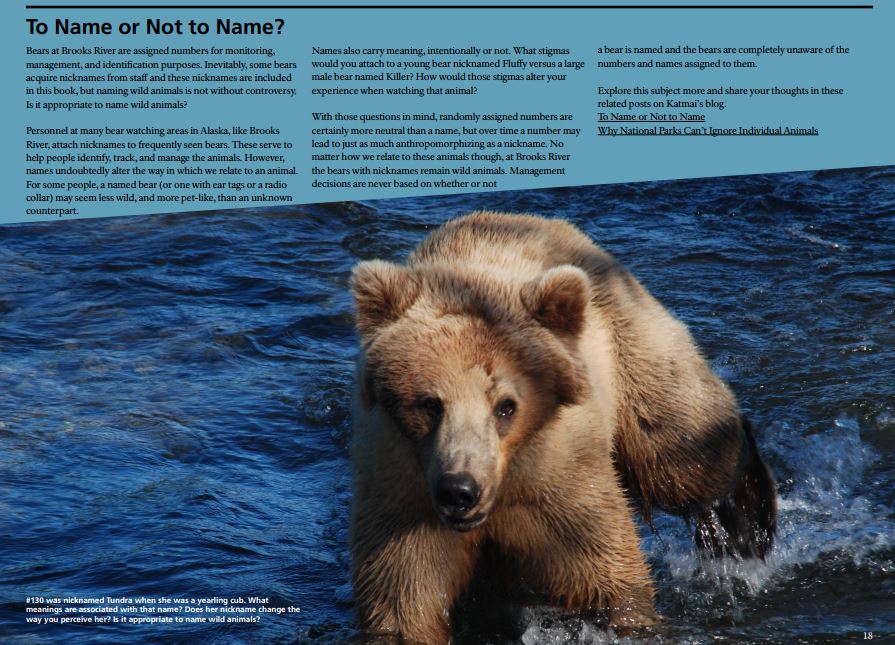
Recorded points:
382,292
558,299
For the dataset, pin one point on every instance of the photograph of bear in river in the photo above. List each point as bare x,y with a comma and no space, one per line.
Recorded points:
175,408
518,394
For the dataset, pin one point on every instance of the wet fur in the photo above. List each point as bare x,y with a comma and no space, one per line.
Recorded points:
617,408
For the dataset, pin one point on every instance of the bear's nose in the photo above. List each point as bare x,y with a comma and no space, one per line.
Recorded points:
457,491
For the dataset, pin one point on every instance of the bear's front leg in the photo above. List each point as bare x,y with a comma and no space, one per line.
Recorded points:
579,546
407,577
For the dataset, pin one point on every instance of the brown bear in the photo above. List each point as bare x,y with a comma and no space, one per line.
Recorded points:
518,392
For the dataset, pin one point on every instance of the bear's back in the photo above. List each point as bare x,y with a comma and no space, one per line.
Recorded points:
521,245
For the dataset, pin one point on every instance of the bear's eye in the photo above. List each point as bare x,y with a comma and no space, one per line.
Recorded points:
433,408
505,409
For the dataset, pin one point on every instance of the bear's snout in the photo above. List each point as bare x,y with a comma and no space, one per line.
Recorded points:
457,492
455,495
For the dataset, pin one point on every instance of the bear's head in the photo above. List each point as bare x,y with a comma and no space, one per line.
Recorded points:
468,366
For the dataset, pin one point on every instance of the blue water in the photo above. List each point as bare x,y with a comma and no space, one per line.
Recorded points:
174,402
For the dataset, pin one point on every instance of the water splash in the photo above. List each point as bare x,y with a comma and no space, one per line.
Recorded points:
823,519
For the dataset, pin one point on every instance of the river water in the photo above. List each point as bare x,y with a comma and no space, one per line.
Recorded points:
174,398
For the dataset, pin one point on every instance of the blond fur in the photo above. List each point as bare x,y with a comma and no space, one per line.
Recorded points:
615,404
